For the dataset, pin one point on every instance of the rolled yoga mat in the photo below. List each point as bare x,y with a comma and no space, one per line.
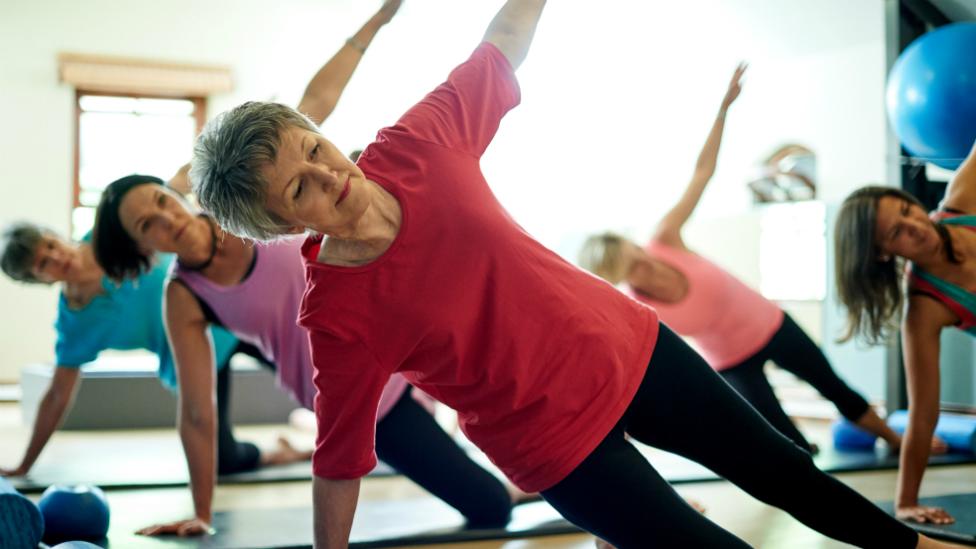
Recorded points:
959,431
848,436
21,524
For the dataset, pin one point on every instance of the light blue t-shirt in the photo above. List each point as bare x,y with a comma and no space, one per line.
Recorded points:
124,317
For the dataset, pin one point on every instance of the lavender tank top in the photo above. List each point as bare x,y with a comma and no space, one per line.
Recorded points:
262,310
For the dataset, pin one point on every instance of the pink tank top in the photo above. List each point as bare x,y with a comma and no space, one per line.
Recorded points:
262,311
727,321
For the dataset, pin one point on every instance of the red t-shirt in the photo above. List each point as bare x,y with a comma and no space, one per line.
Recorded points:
539,358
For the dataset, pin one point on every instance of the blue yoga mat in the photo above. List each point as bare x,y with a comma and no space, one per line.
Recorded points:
959,431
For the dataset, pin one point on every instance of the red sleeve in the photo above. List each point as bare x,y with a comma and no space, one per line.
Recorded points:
349,383
464,112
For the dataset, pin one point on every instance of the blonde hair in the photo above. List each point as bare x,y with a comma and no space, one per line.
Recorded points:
605,256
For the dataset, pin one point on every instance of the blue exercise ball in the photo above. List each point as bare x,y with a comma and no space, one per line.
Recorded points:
931,95
74,513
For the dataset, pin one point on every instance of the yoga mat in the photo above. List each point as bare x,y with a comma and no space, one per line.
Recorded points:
149,462
961,506
678,470
393,523
126,465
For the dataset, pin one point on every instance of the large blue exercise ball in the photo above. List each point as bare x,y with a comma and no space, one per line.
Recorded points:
74,513
931,95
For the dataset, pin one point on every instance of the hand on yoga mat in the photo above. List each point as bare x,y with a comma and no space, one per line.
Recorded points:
182,528
924,514
17,472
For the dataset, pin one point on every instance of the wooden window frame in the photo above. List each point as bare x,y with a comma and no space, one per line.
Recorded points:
199,115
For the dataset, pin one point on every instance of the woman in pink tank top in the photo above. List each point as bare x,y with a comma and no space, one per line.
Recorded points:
735,328
879,230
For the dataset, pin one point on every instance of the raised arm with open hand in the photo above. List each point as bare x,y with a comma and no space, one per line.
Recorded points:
323,91
669,228
513,28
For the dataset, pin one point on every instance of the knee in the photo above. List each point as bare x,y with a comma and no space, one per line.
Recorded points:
489,510
240,457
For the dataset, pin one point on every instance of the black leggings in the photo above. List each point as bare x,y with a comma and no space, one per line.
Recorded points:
410,440
683,407
234,456
793,350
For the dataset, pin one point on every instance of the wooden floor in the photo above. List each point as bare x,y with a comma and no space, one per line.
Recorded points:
758,524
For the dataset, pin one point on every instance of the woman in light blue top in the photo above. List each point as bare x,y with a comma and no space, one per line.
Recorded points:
95,314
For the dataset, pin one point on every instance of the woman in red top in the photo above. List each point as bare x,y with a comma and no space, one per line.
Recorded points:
414,267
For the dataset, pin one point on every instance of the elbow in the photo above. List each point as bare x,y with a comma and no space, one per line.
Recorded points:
704,170
196,418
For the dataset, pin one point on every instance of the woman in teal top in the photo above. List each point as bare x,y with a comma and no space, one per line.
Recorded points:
95,314
83,333
879,229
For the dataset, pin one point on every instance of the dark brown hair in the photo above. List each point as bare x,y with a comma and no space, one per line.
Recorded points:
115,250
869,288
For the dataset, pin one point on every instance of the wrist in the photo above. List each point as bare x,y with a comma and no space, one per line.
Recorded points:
355,44
904,501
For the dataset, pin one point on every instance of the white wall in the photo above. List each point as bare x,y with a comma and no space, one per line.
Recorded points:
617,98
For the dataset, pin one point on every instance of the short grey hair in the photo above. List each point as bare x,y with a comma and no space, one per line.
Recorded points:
227,158
18,248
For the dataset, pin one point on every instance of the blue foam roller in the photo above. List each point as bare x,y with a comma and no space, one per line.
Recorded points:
21,523
847,436
76,545
74,513
958,431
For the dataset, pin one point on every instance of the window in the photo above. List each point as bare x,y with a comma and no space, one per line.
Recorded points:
118,135
793,251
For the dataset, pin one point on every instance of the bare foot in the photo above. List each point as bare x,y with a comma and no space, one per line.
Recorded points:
518,496
303,420
284,453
